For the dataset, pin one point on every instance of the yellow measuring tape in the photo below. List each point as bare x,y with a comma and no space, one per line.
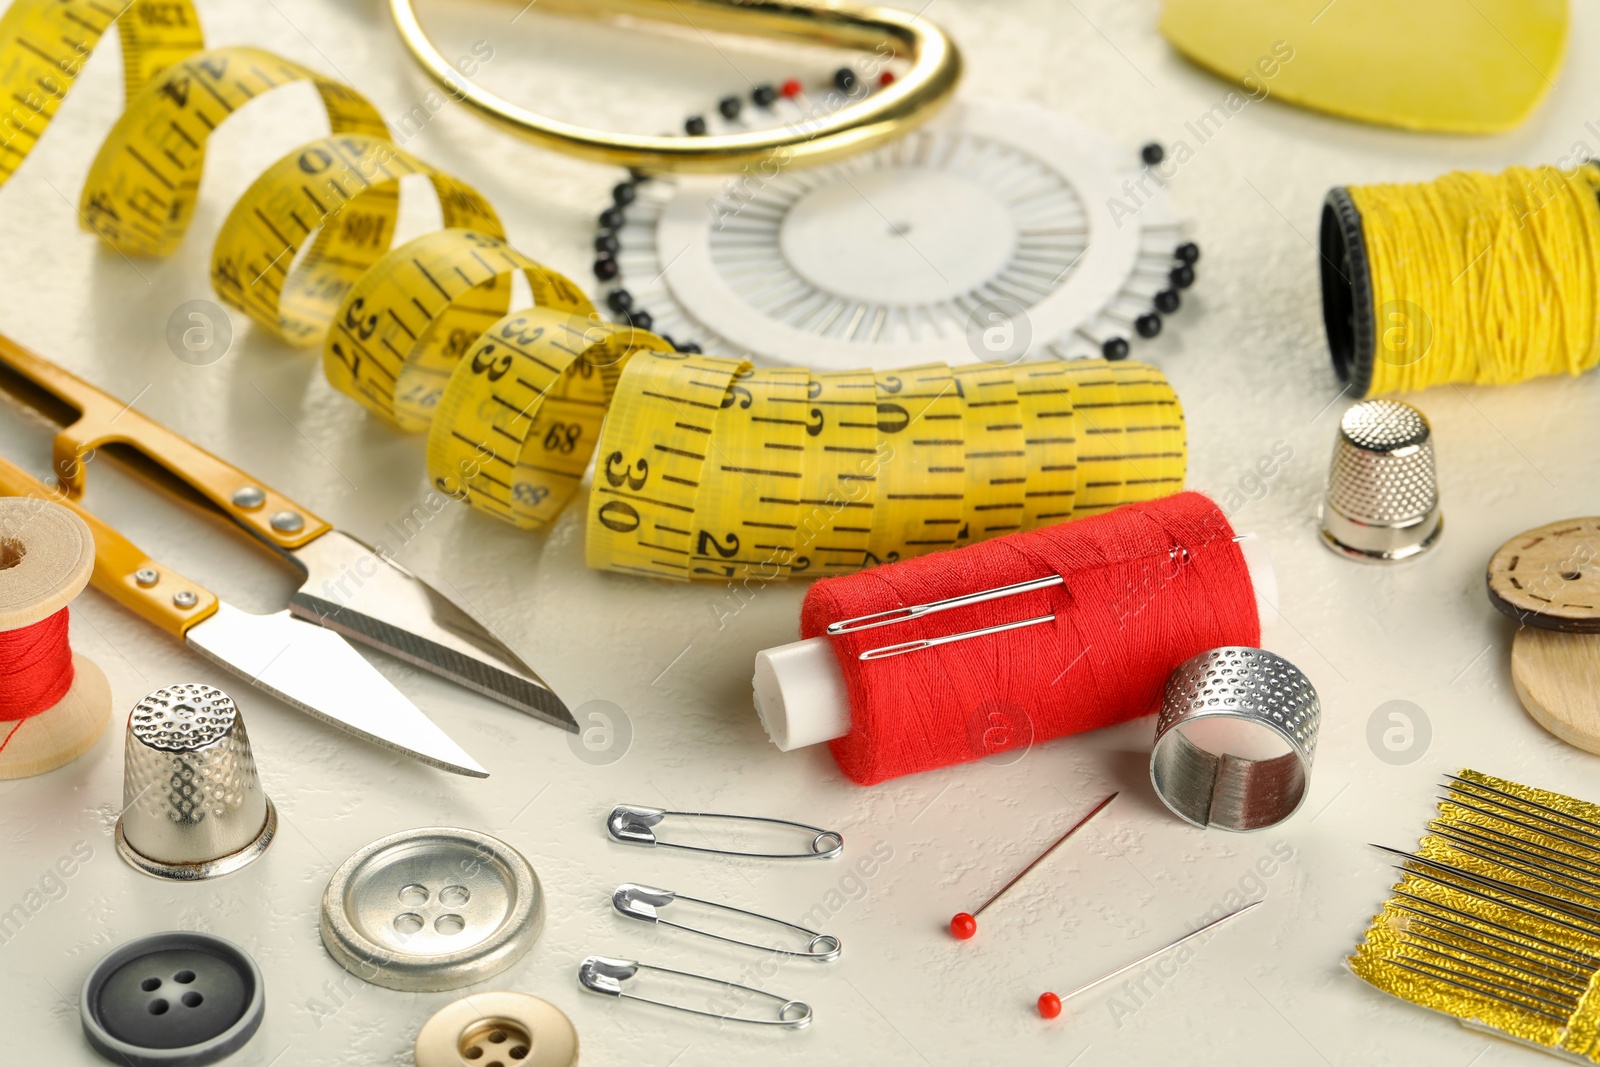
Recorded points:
789,474
406,322
516,424
345,189
44,44
143,184
705,468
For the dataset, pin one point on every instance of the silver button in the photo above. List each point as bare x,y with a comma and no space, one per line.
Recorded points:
146,576
432,908
185,599
251,496
287,521
509,1029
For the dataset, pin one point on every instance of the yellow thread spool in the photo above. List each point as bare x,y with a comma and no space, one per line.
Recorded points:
1473,278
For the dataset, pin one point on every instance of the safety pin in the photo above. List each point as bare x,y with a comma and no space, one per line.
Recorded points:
605,975
643,902
982,596
634,825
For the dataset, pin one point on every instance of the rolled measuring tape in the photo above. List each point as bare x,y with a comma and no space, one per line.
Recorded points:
709,470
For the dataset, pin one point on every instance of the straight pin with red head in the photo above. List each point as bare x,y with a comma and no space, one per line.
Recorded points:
964,924
1050,1003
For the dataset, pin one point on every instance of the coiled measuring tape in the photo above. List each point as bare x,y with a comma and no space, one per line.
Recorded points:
346,190
705,468
143,184
406,322
44,44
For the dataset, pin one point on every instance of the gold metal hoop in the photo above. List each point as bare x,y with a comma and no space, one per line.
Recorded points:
935,71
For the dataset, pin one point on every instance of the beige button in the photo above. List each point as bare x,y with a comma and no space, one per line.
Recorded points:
498,1030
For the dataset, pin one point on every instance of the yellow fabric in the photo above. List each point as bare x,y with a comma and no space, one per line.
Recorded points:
1462,66
1483,278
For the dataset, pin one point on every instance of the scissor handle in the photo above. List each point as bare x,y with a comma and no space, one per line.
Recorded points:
122,572
172,461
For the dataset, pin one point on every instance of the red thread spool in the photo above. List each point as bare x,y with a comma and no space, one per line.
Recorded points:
1146,587
53,704
35,668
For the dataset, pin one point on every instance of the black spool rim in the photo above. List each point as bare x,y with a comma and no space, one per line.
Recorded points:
1347,291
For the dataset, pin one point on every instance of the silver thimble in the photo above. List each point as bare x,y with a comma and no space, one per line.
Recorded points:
1235,739
1382,502
192,805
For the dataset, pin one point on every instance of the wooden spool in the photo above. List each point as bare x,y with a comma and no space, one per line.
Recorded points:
1548,579
46,557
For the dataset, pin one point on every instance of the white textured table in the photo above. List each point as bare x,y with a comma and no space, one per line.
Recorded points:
1248,359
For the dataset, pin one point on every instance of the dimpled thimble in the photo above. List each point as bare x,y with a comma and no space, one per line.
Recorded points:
192,805
1382,502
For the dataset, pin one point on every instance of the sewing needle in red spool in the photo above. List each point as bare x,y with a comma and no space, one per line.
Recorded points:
964,924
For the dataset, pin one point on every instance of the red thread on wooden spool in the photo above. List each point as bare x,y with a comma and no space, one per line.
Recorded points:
1147,587
35,668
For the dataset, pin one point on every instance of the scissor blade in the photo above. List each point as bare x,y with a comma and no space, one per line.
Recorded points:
319,673
358,592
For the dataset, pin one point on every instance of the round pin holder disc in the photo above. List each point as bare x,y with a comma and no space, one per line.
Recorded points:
498,1030
177,999
432,908
1548,579
998,230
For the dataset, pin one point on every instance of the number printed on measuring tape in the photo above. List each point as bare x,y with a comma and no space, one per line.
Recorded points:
345,189
653,454
795,474
841,459
400,330
44,44
748,502
521,414
920,505
143,184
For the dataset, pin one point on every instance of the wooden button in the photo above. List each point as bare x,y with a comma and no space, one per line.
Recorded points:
1550,577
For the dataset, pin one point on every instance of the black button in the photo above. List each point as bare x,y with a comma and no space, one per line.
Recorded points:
176,999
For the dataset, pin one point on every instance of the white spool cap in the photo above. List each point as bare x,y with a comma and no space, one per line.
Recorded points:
800,692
